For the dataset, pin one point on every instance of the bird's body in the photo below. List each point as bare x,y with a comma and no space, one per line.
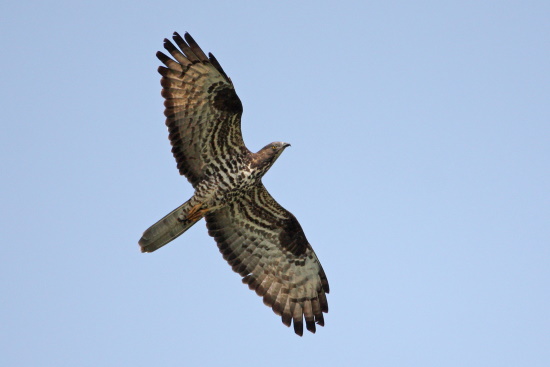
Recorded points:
261,240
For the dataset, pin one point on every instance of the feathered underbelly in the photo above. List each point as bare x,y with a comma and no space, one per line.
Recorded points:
225,186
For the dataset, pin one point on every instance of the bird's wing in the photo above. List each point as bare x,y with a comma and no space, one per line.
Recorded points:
203,112
265,244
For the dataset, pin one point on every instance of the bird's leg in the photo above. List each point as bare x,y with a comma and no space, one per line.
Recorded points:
201,203
196,213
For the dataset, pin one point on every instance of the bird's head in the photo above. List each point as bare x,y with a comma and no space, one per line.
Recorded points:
275,148
269,154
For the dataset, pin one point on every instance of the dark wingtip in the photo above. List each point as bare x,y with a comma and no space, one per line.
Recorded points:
310,326
162,71
286,320
188,38
299,328
177,38
320,320
162,57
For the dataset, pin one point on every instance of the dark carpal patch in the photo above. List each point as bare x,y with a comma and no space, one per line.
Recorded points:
292,236
227,100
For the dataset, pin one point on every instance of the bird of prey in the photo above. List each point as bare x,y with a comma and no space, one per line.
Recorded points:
261,240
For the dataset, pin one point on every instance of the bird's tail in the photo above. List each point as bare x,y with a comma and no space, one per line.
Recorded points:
171,226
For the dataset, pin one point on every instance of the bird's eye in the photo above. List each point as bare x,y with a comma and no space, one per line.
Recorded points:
274,147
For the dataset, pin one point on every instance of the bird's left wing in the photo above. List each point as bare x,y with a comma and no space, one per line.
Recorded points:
265,244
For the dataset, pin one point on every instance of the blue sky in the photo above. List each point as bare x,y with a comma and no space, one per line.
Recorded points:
419,170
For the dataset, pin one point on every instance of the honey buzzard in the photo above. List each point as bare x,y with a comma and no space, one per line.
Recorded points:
261,240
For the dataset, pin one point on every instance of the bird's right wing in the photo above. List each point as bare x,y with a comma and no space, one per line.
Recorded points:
203,112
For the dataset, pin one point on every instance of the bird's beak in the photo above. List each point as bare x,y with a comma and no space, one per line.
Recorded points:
286,145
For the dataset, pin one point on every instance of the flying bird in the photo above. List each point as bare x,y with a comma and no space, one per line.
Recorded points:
260,240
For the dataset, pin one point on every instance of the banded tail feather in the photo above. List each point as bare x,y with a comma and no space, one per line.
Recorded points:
170,227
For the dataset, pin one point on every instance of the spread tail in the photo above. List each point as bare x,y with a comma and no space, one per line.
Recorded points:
170,227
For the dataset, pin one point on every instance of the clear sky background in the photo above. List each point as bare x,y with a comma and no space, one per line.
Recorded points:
419,170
